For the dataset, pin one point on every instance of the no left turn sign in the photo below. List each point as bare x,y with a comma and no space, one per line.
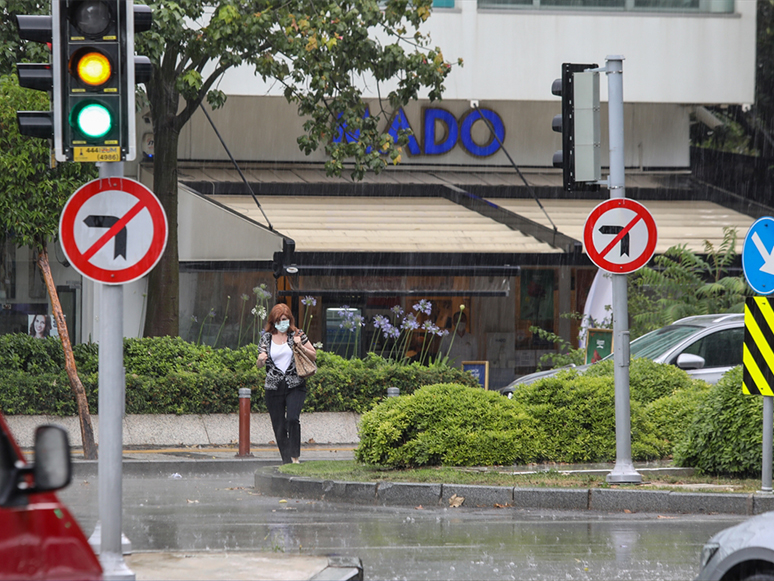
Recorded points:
620,235
113,230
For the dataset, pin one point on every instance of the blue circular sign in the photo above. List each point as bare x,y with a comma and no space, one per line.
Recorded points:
758,256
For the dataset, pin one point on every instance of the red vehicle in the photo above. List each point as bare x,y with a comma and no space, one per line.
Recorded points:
39,538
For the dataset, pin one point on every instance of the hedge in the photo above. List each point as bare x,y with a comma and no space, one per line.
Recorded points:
167,375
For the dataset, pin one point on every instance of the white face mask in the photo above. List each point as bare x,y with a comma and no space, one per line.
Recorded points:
282,326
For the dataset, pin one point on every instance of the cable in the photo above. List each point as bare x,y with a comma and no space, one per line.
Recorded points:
516,167
244,179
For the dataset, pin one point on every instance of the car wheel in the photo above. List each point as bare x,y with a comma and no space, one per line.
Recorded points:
763,576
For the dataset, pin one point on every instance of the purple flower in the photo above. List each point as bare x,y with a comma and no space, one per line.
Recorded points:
396,310
424,306
261,292
409,323
306,301
345,312
430,327
393,333
358,320
380,321
387,329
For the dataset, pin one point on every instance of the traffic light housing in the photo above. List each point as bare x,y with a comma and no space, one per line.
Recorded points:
579,124
94,78
39,76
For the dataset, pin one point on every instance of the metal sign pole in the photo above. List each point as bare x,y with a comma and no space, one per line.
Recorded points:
624,471
768,442
111,365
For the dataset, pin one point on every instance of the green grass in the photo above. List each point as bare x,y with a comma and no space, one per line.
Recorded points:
353,471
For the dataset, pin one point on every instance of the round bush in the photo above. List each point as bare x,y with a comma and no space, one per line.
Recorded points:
446,424
648,381
671,414
725,435
575,418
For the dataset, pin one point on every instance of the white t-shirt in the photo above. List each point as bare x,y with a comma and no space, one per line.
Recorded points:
281,355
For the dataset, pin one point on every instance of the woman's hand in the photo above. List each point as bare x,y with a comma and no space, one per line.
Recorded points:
262,357
297,339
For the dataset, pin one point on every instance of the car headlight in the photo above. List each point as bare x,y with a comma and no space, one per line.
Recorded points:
707,552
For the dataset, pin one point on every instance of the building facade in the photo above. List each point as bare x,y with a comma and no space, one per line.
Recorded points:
454,223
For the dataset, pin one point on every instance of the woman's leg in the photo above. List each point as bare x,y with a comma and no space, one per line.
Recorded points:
275,404
295,402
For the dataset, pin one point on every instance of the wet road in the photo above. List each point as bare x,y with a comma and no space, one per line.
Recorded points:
212,513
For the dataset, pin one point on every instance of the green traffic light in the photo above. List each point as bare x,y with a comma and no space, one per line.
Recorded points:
94,120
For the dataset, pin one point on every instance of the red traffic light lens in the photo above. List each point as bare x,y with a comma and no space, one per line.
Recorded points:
91,17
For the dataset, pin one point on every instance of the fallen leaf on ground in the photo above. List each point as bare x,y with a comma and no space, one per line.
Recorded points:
192,501
456,501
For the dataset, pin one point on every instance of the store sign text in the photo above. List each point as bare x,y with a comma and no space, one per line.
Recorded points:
441,132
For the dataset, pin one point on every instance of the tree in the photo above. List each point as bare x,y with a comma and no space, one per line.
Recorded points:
325,53
682,283
31,199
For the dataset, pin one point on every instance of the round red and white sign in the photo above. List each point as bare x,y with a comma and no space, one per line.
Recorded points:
620,235
113,230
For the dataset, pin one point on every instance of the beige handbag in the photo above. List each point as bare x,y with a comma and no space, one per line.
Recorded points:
305,367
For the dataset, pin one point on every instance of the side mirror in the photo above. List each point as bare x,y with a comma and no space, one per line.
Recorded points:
52,469
689,361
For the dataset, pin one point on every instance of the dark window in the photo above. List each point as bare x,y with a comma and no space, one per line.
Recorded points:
721,349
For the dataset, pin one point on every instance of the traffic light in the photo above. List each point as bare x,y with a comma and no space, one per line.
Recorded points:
579,124
94,78
39,76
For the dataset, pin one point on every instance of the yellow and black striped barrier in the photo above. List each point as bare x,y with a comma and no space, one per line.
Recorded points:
758,358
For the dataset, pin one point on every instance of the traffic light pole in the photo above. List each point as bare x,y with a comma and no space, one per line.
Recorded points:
623,472
111,410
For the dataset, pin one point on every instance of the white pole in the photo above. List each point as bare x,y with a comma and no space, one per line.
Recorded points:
623,471
111,407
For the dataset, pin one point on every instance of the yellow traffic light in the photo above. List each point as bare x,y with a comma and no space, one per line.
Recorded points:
93,68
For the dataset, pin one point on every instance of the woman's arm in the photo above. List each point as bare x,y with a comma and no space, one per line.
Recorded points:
303,341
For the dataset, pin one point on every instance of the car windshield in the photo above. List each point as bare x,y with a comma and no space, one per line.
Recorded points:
654,344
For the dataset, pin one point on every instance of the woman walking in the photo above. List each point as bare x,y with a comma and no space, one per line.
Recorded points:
285,390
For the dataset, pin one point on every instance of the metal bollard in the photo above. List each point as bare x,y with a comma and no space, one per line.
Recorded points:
393,392
244,423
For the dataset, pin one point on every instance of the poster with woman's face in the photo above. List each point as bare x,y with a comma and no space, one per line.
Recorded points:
42,326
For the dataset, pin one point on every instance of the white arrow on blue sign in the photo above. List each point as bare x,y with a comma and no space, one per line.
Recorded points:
758,256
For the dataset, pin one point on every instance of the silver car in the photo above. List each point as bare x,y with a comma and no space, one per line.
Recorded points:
706,346
744,552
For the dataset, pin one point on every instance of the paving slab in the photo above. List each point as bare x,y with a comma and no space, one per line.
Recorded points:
476,495
408,494
183,566
620,500
551,498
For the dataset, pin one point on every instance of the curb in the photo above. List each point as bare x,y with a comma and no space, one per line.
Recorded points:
268,480
187,468
341,569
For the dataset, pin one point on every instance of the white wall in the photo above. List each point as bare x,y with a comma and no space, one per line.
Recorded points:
516,54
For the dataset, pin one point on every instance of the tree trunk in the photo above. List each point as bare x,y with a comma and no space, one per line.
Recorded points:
163,310
87,434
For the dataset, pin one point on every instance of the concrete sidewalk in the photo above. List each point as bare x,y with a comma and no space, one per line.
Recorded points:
167,430
223,565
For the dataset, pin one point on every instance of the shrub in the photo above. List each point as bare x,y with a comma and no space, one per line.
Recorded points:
575,418
166,375
648,381
725,435
672,413
446,424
